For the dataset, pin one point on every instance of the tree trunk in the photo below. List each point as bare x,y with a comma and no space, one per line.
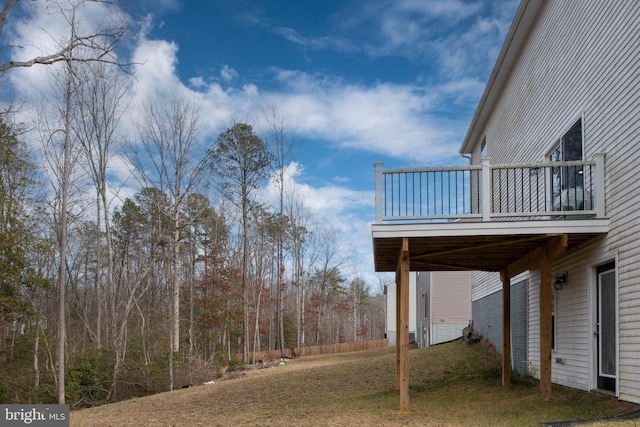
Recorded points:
302,318
36,349
176,281
62,236
256,333
281,284
98,281
245,296
171,311
192,274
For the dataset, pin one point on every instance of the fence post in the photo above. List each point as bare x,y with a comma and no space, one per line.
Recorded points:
485,200
379,194
600,187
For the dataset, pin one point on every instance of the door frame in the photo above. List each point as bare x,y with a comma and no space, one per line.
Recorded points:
593,320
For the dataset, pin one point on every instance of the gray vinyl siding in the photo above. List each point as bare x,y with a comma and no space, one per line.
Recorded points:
487,320
520,326
423,295
581,60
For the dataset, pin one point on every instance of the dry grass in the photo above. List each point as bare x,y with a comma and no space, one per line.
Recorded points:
450,385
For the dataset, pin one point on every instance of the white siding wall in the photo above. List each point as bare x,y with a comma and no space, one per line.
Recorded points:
450,304
391,308
391,313
450,297
582,59
443,332
483,284
575,317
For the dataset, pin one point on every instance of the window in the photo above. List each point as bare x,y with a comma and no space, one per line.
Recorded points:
426,304
483,148
567,190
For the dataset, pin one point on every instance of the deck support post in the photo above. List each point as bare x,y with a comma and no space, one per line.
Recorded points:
398,327
543,255
506,328
402,323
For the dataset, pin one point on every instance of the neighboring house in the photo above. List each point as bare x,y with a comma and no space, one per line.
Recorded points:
547,213
391,300
443,306
439,307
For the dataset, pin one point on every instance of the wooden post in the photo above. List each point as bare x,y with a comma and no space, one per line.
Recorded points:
398,325
403,330
545,325
506,328
554,246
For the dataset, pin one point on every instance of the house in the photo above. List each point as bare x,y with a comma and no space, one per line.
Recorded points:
443,300
545,216
390,307
439,307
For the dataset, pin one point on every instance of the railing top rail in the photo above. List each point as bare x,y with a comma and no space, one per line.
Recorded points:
543,164
492,166
432,169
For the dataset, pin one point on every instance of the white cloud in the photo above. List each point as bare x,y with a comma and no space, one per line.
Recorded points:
327,201
228,73
155,68
119,168
386,119
331,206
197,82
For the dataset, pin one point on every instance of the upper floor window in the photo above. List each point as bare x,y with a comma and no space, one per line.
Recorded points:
568,181
483,148
569,147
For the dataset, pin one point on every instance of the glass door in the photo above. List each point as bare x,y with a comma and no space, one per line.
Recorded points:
606,328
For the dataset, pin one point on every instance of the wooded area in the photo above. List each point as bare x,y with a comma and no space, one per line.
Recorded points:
104,298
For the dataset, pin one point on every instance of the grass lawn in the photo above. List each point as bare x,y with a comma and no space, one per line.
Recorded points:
450,385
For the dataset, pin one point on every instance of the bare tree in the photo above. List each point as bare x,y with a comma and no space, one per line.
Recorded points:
281,149
327,279
170,157
101,42
95,45
101,102
62,156
300,239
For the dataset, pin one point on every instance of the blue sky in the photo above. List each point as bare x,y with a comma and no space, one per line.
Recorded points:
359,81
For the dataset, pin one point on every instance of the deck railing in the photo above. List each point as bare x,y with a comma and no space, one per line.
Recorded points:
486,192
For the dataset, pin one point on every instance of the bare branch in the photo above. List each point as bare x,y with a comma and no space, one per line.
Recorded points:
5,11
102,44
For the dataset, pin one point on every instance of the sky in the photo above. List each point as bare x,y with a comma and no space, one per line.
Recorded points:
356,81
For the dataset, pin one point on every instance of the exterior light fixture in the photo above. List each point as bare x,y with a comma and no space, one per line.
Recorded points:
559,280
